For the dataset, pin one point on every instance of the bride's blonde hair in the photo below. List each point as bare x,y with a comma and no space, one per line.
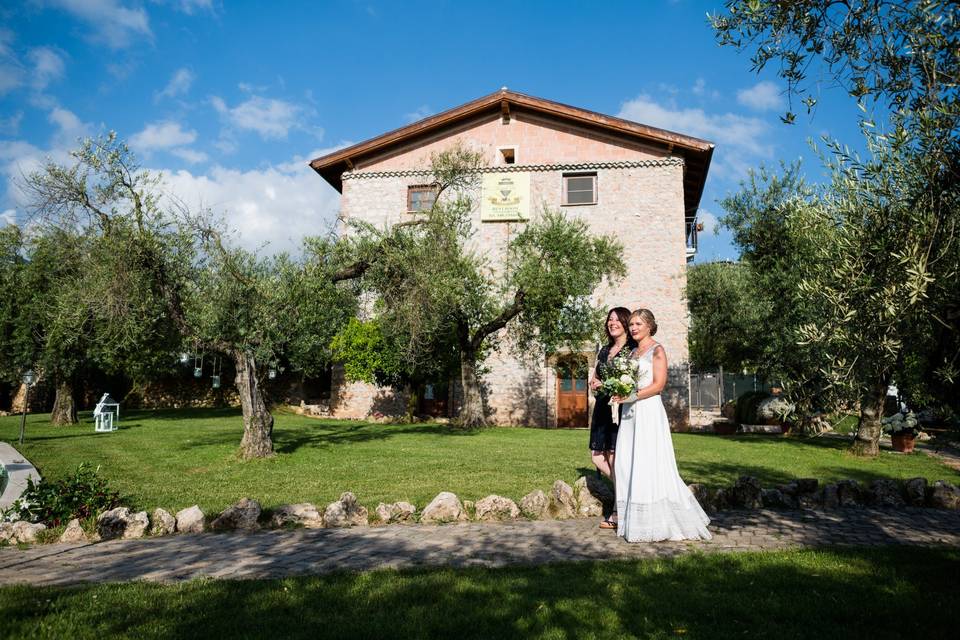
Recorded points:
647,316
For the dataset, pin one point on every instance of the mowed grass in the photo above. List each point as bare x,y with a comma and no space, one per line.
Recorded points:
849,593
173,459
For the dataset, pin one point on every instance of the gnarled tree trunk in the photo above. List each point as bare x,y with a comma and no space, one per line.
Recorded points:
257,439
64,408
473,413
867,442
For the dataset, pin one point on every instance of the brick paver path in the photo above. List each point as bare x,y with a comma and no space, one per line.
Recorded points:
273,554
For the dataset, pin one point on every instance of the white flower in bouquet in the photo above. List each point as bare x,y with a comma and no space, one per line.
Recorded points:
619,380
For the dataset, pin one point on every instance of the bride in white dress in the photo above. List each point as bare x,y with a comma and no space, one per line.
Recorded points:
653,503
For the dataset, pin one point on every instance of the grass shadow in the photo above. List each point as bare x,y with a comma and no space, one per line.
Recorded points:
802,594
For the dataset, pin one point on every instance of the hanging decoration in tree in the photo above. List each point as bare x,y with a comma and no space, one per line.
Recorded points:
215,378
198,366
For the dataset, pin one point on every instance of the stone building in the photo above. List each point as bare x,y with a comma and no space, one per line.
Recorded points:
639,182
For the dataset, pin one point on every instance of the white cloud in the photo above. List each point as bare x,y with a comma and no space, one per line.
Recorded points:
47,65
11,71
277,206
189,7
421,112
742,141
11,76
189,155
699,86
271,118
69,128
11,125
763,96
708,220
729,129
112,23
179,84
161,135
9,216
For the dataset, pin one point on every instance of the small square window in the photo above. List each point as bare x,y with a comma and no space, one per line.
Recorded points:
421,197
508,155
579,188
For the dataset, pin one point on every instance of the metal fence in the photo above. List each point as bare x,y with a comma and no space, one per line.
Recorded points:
710,389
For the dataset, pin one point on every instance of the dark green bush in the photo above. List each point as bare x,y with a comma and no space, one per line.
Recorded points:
53,503
747,404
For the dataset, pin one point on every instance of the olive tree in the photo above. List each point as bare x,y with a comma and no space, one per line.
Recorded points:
441,290
885,230
158,277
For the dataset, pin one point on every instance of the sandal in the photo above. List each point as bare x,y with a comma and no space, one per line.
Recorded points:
608,524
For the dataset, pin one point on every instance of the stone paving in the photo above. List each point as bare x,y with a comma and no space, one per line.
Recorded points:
274,554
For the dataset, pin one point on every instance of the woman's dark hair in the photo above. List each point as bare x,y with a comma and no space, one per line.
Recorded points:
623,315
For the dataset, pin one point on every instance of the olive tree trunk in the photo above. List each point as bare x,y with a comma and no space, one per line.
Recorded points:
867,442
473,413
257,439
64,408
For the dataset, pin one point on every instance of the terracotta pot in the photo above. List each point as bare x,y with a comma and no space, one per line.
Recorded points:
903,441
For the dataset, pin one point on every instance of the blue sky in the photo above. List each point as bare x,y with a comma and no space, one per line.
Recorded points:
230,99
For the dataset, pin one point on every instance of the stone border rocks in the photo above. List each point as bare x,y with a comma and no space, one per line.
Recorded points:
589,497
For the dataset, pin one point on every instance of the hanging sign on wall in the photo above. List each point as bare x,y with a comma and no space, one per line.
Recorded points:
506,196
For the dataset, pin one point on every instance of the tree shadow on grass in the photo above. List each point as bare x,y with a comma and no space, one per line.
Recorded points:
792,595
287,439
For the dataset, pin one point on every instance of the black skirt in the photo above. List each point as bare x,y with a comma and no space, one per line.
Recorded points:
603,430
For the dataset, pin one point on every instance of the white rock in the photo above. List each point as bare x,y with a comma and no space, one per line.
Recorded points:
243,515
137,525
446,507
163,523
303,513
74,532
562,502
113,523
534,505
345,512
396,512
495,507
588,505
25,532
190,520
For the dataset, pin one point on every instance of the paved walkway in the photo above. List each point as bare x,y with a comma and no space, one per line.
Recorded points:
273,554
19,471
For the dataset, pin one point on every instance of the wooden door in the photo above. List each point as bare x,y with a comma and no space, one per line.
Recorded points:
572,398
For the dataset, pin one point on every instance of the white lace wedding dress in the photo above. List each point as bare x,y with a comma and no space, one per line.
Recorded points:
653,503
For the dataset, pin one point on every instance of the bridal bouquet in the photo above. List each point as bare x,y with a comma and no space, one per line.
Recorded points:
619,379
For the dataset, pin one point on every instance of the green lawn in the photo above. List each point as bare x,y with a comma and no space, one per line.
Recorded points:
173,459
844,593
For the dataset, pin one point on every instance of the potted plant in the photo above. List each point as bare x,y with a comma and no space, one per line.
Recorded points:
903,429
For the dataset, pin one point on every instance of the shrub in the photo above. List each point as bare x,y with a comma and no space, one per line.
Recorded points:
81,495
746,408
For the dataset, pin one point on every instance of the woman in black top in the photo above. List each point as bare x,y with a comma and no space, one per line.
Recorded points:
603,430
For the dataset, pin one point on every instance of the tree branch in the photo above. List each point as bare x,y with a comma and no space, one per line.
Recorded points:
499,322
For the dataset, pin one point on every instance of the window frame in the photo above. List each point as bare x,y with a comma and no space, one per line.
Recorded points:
502,161
411,188
564,197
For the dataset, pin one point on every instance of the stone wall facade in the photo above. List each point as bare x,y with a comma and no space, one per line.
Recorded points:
640,200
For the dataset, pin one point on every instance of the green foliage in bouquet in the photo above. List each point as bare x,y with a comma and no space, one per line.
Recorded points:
619,376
